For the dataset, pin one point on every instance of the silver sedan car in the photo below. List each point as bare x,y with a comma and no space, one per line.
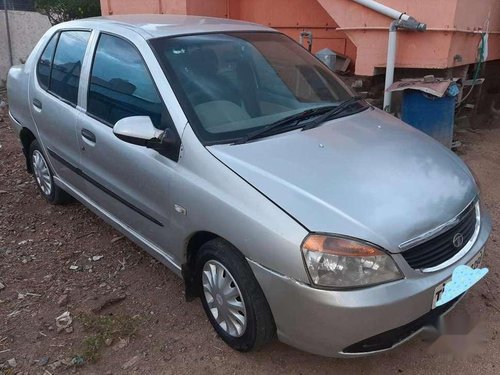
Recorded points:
226,150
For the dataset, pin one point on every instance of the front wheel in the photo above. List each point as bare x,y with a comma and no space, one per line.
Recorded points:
232,297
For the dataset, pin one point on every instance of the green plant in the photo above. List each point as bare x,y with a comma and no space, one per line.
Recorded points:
103,328
67,10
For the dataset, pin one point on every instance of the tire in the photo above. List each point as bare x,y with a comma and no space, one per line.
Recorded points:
44,176
259,327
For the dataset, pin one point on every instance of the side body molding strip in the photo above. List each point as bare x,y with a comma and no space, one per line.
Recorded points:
79,172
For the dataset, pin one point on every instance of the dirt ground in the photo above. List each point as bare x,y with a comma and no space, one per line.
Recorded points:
129,313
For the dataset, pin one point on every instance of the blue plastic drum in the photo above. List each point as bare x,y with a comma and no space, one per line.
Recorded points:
433,115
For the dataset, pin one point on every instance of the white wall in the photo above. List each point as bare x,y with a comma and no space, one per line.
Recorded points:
26,28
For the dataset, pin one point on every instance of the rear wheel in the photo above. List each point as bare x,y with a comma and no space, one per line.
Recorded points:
44,177
232,297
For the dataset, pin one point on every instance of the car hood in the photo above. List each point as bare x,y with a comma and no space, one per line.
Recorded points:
368,176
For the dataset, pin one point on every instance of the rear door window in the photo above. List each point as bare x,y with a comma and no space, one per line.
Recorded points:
121,86
67,65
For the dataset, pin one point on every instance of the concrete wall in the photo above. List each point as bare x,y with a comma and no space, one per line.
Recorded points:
26,28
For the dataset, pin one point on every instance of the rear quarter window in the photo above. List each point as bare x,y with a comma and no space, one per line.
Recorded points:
45,62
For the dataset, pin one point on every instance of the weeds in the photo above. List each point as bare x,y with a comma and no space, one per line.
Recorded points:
104,328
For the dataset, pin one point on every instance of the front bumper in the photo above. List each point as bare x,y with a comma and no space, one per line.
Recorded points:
328,322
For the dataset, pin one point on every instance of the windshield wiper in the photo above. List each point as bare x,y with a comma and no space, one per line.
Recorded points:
285,124
332,113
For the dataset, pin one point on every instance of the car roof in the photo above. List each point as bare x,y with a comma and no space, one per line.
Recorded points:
162,25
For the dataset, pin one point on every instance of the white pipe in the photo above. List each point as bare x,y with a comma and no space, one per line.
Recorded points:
401,20
391,62
383,9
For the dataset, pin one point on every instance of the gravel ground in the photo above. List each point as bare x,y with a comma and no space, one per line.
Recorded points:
129,314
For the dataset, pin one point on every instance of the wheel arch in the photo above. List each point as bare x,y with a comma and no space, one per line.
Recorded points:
193,244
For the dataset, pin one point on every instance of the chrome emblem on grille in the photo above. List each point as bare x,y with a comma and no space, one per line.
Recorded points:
458,240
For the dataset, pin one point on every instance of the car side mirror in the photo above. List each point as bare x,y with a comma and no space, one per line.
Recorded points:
138,130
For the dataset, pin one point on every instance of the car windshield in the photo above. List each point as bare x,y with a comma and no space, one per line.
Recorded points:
232,84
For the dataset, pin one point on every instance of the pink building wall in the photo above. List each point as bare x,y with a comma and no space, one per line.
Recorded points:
453,28
288,16
292,17
348,28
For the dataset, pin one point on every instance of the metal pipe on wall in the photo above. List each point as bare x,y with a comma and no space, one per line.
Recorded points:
383,9
7,27
391,63
401,20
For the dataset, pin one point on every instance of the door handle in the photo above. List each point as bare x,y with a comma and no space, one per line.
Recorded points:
87,134
37,103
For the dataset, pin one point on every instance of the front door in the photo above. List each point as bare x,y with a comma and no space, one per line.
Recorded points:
128,181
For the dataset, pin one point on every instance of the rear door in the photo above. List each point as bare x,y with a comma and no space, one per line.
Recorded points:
54,95
130,182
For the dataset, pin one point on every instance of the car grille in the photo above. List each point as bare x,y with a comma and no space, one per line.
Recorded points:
441,248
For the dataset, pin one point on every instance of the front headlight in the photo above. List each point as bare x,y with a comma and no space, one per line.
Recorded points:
336,262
